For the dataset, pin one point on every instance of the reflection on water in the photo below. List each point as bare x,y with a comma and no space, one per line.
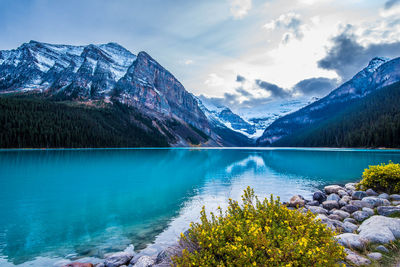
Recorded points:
84,203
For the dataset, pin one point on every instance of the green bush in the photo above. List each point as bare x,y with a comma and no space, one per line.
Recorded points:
258,233
384,177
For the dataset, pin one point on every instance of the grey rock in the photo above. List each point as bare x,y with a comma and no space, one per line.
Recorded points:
374,202
388,211
119,258
342,214
319,196
352,241
384,195
371,192
394,197
360,215
330,204
313,203
382,248
350,186
349,227
375,256
350,208
333,197
332,224
355,258
335,217
369,211
346,199
297,201
359,204
317,210
342,203
342,193
358,195
350,220
144,261
380,229
395,203
332,189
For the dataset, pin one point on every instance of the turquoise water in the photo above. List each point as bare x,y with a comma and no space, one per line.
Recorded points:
69,204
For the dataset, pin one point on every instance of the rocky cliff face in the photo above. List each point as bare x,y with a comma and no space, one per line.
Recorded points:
380,72
106,72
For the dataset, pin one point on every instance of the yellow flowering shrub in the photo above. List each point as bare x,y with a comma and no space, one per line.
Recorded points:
258,233
384,177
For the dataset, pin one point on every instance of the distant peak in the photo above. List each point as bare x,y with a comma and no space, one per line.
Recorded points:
375,63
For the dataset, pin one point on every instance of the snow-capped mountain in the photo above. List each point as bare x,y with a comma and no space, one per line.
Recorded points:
379,73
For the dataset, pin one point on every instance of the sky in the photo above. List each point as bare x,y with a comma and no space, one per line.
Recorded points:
240,53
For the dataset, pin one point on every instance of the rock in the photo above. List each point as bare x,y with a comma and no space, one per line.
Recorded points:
360,215
349,208
144,261
78,264
319,196
394,197
335,217
100,264
358,195
359,204
375,256
388,211
352,241
382,248
346,199
317,210
349,227
333,197
350,220
342,214
384,195
380,229
332,189
330,204
371,192
369,211
333,224
342,193
374,202
297,201
356,259
313,203
342,203
395,203
350,186
119,258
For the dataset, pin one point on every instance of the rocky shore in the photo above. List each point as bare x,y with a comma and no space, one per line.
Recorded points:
366,223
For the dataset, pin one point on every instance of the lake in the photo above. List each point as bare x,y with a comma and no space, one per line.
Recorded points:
73,204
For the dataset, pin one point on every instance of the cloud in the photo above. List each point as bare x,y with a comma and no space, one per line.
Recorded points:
240,8
240,78
315,86
390,3
347,56
188,62
290,21
274,89
214,80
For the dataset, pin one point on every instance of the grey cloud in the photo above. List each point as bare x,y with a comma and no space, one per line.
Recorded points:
240,78
316,86
275,90
390,3
347,56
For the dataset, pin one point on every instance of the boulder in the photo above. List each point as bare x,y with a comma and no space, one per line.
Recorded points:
319,196
349,227
342,193
330,204
317,210
297,201
356,259
394,197
382,248
332,189
351,220
333,197
358,195
369,211
119,258
373,202
388,210
342,214
352,241
380,229
375,256
144,261
349,208
360,215
384,195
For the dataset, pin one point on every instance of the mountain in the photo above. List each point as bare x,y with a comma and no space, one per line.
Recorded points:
379,73
98,76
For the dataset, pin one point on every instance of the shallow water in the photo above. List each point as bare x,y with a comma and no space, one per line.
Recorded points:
83,203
